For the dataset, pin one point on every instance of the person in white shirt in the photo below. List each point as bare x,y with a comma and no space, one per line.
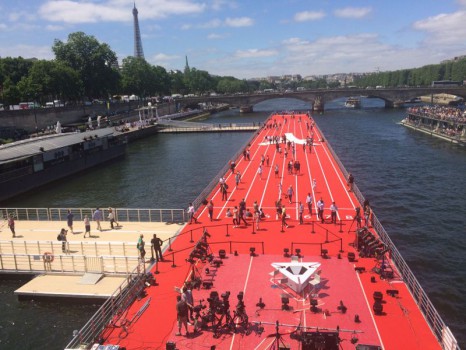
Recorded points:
309,203
191,212
320,210
333,210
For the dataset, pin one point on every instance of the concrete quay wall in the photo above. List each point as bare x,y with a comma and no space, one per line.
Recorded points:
29,119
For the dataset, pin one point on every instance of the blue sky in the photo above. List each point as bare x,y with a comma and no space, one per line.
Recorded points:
248,38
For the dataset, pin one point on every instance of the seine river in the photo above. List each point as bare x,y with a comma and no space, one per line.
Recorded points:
416,185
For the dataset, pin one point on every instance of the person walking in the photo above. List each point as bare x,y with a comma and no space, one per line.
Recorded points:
309,203
191,212
257,219
237,178
314,186
259,171
276,170
111,218
350,182
289,193
333,213
69,220
181,314
141,247
156,246
267,160
62,238
242,212
87,226
210,209
11,224
320,210
97,217
284,224
235,217
224,191
301,212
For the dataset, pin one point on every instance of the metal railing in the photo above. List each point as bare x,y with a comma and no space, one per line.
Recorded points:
433,318
211,128
63,263
110,311
90,248
121,214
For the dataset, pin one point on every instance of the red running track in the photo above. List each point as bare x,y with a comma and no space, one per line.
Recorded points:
400,326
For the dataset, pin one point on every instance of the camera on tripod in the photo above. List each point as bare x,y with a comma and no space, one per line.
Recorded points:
198,308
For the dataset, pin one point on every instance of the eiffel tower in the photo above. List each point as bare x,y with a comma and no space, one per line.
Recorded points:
138,52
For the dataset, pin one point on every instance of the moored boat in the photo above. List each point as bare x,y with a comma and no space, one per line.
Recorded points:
27,164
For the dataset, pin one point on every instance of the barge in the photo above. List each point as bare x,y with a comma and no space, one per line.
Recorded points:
311,267
30,163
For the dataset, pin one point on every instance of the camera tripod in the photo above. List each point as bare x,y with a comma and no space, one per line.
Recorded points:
278,343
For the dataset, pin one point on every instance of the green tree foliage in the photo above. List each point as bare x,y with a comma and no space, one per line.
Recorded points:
14,69
10,93
177,82
94,62
423,76
54,80
199,81
231,85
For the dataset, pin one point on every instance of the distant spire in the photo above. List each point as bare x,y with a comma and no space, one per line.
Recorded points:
138,52
186,67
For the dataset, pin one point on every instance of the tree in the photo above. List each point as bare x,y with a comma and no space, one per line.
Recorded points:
199,81
137,77
93,61
177,82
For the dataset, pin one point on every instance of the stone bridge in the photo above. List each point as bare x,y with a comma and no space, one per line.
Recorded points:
393,97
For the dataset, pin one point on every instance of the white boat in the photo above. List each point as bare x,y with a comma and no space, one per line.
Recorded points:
353,102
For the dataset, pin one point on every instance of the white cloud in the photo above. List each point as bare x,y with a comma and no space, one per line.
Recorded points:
215,23
72,11
255,53
353,12
27,51
218,5
53,28
239,22
163,59
214,36
444,29
308,16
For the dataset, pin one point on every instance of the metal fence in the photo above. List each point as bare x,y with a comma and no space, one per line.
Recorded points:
46,263
437,325
91,248
121,214
108,314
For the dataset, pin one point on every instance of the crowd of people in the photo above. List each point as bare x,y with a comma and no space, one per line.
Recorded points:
452,119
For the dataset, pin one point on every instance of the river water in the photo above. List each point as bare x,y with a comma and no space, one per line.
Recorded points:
416,185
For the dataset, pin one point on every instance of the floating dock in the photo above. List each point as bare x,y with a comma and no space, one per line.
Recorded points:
307,282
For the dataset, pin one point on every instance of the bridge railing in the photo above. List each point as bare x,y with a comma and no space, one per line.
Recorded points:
121,214
40,263
437,325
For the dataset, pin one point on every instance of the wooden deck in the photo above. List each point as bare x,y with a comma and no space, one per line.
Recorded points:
63,277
